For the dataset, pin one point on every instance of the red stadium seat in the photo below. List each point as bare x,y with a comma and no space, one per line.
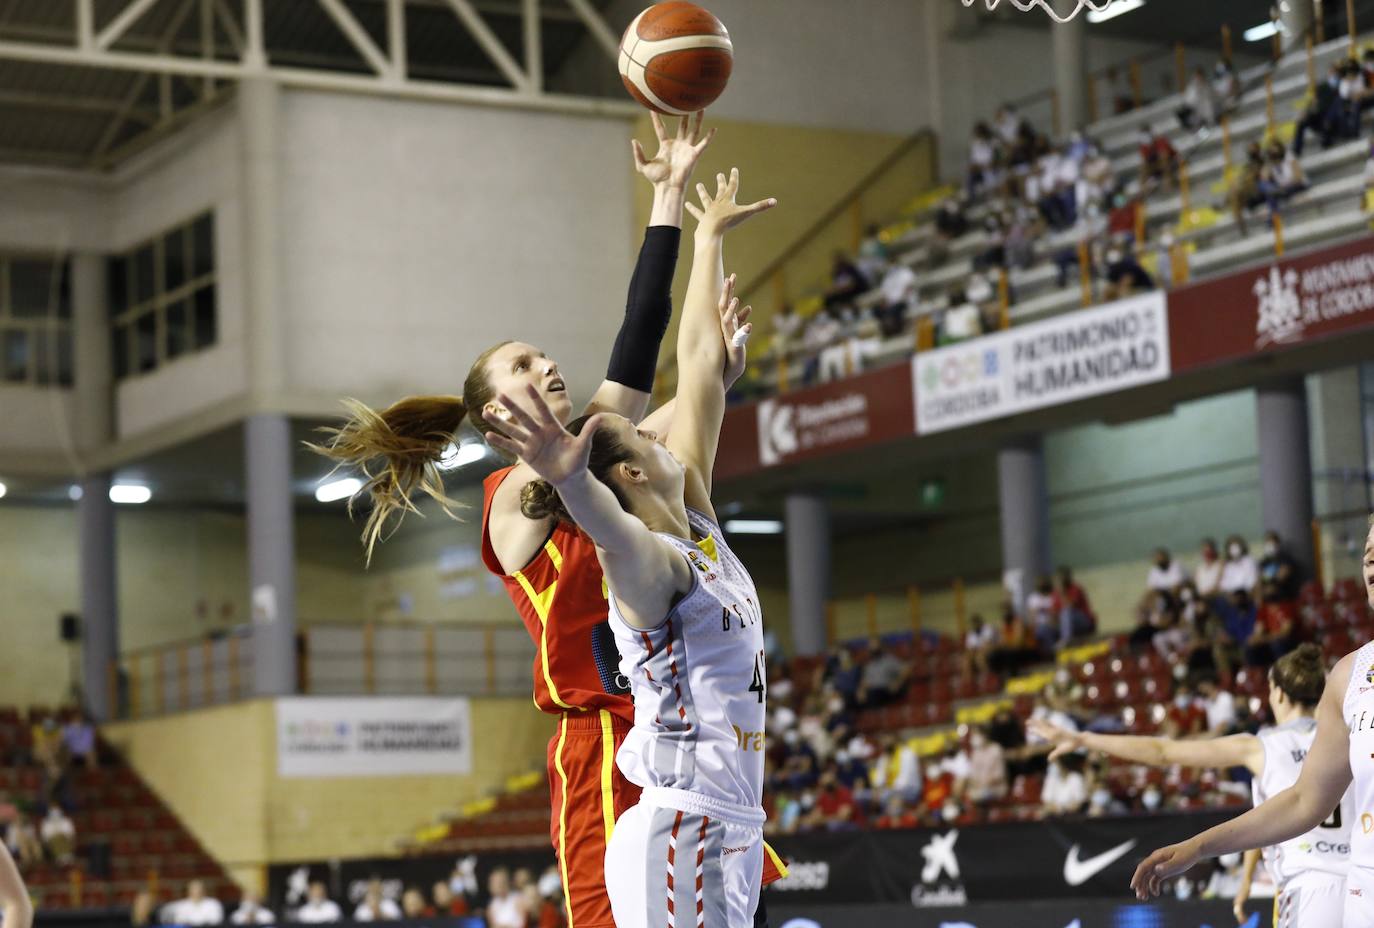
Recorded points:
1348,589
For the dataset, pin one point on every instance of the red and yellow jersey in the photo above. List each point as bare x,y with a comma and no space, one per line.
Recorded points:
561,597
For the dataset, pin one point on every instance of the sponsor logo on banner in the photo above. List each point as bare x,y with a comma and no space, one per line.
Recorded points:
941,861
1082,354
1288,301
811,875
1077,872
788,427
373,737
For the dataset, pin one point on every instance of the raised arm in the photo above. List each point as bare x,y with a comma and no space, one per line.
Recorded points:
14,898
1232,751
645,572
701,343
1304,805
649,305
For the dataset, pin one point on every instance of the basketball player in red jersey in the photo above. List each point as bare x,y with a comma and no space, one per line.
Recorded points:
549,568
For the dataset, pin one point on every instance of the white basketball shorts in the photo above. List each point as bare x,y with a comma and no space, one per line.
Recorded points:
681,860
1311,900
1359,898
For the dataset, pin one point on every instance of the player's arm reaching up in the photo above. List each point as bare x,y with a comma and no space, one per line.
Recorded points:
1231,751
1304,805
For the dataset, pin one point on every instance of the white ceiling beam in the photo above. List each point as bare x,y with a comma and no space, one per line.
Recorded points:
357,36
396,36
229,25
490,44
121,23
600,30
255,46
534,44
85,23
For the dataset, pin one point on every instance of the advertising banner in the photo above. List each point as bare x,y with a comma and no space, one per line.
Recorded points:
1071,357
1084,913
373,737
1270,307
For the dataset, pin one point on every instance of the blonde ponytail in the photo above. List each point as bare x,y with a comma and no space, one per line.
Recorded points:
398,451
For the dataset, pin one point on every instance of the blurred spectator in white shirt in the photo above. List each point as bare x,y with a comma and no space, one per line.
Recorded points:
1207,576
376,907
1008,124
251,912
59,834
506,908
787,325
318,908
1220,706
1065,791
1166,573
987,779
898,291
1199,102
979,641
1225,86
1239,572
196,909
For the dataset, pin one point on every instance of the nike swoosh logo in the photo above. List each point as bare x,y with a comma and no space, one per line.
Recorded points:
1077,872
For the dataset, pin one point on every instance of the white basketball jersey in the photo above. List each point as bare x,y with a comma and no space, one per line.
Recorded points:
1325,848
1359,713
698,680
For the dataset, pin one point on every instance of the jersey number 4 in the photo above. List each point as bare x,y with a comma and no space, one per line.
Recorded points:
758,685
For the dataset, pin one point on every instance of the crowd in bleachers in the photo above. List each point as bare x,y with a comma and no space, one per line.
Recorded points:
1108,224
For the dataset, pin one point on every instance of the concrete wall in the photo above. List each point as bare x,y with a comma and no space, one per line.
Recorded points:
217,770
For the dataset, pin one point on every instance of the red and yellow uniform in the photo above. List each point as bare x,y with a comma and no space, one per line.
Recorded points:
561,597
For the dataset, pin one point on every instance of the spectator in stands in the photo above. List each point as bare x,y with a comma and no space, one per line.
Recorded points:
47,744
1015,644
1023,231
1076,616
897,771
787,326
884,677
1323,111
979,642
59,836
937,789
1219,706
1207,576
1282,177
1158,159
982,159
1239,572
950,221
987,776
1185,716
898,290
21,837
1244,192
250,911
1276,627
1351,91
873,254
1277,566
1199,107
1065,791
319,908
506,908
841,673
835,807
376,907
1173,637
1368,179
550,887
1237,615
824,329
197,908
1166,573
897,814
1008,124
446,902
961,321
1044,621
78,737
1226,86
463,882
847,282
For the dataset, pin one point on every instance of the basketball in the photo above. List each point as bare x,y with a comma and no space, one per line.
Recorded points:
675,58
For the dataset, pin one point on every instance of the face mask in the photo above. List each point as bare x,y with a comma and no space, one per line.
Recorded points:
1101,798
1182,702
1270,549
1150,800
807,800
1234,551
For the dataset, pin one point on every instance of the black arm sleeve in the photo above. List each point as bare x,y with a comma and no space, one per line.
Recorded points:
648,308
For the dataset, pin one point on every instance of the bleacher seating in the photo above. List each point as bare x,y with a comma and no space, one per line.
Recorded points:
118,820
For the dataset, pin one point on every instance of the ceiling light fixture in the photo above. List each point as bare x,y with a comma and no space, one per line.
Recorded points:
461,455
1263,31
130,493
74,492
338,489
1116,9
753,527
3,489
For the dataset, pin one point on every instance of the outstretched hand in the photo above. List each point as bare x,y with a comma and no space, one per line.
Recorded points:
1063,740
735,328
677,153
1162,864
720,213
535,436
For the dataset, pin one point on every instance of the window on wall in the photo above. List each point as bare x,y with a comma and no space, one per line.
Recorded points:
162,298
35,321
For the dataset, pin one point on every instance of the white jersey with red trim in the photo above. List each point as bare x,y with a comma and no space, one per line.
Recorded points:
698,680
1325,848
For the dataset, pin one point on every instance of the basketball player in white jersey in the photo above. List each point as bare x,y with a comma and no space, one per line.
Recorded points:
1341,754
685,615
1310,869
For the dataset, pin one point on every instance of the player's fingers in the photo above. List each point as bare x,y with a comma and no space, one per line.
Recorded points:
734,181
502,443
519,413
722,190
751,209
659,131
744,314
638,151
691,208
682,125
701,146
703,195
696,126
540,409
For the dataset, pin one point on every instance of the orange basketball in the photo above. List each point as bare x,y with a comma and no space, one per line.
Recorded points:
675,58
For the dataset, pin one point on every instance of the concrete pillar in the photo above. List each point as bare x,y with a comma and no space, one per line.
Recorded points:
1024,505
808,569
259,102
271,552
99,594
1296,18
1285,463
1070,53
92,363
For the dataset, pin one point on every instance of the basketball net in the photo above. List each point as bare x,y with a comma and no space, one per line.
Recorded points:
1026,6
